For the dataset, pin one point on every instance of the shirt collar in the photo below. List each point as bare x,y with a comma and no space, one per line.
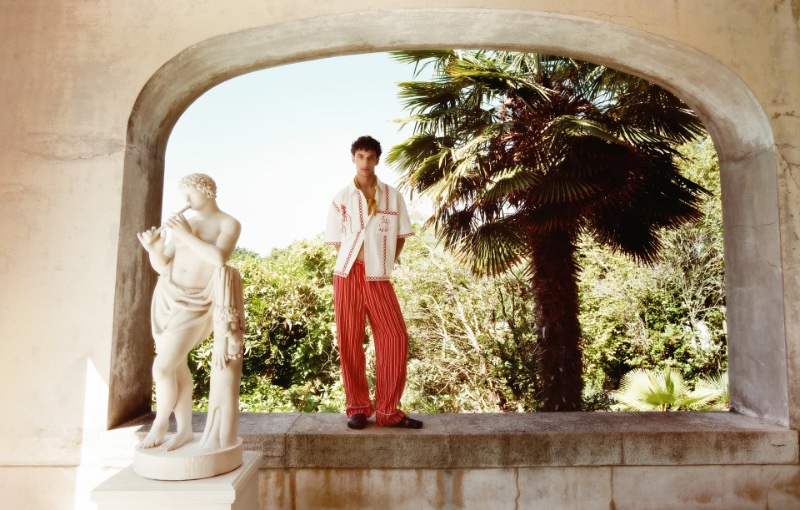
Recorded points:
352,187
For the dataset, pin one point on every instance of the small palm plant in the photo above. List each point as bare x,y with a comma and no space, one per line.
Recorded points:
719,386
665,390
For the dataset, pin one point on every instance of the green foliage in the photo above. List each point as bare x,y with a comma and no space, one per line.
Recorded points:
719,387
472,345
665,390
670,314
290,360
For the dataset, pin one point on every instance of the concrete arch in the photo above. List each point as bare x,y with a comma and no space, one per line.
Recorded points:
733,116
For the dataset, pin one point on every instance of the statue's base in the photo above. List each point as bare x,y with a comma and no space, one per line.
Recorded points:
189,462
236,490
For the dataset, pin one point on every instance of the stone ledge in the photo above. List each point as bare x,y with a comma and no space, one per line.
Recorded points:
448,441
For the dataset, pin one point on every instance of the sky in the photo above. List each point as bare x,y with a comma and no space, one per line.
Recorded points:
277,142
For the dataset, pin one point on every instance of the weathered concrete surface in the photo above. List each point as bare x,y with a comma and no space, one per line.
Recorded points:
754,294
512,440
640,460
653,487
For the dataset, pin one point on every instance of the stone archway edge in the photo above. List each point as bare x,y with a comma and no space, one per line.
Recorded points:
731,113
708,86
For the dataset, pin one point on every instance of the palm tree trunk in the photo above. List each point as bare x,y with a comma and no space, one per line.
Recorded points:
555,288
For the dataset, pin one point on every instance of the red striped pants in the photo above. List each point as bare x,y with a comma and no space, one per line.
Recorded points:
354,299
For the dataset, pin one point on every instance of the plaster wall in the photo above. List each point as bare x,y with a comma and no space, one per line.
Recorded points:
71,73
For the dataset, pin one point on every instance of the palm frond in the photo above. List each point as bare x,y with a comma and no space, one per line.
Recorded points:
718,389
565,126
660,390
515,180
659,112
412,152
559,188
656,390
560,143
493,247
492,80
423,58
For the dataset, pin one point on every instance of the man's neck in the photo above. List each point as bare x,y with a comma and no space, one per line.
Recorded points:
367,183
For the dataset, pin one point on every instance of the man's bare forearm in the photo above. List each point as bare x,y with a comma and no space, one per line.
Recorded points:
401,241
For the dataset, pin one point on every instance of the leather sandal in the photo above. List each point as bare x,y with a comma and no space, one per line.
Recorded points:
357,421
408,423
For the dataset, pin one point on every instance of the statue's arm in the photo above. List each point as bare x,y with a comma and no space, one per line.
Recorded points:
226,242
159,255
216,253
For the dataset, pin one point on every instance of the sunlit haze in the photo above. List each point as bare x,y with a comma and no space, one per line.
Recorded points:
277,142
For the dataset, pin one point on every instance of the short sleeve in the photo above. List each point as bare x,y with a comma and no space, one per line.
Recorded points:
333,229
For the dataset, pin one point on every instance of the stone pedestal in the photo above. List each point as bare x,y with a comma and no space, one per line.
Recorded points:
236,490
189,462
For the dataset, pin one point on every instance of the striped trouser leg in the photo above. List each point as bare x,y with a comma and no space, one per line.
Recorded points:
391,350
350,313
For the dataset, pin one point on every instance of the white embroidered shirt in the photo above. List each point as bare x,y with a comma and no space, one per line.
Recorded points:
350,226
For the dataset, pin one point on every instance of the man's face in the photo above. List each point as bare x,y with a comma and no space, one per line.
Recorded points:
365,161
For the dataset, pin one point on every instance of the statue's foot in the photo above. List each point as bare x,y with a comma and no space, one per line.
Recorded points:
210,443
177,440
154,438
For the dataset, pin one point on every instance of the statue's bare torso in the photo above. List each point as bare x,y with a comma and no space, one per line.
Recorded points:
189,269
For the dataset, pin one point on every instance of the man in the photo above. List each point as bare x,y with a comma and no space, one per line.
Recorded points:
195,294
368,224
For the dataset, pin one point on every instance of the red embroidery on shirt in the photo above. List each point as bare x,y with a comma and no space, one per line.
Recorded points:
335,206
383,226
345,220
352,247
361,213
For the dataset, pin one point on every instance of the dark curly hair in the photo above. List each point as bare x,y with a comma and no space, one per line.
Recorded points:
366,143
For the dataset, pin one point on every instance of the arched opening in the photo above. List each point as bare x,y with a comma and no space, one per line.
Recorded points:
734,118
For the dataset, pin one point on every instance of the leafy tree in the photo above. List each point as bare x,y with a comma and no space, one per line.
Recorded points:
290,362
670,314
472,346
522,153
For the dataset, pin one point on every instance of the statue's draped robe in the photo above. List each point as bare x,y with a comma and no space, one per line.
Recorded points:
218,307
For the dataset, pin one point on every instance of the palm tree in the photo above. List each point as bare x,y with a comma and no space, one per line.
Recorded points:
522,153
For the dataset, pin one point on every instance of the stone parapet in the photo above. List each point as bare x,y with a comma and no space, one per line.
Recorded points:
453,441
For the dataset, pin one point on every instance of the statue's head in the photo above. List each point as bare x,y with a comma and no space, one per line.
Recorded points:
200,182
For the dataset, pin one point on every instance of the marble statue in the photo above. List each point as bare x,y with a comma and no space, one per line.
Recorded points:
195,295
